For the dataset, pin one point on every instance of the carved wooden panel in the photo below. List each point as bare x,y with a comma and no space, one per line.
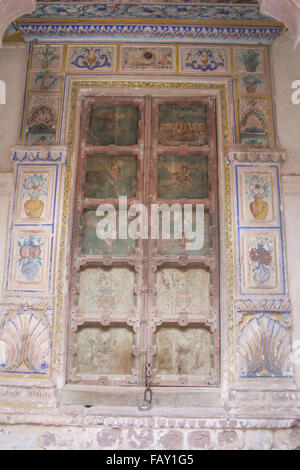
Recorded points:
111,176
183,292
113,124
107,291
105,351
183,352
183,176
183,124
112,245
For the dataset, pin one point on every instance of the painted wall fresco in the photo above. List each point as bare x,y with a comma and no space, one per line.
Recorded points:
271,355
258,203
248,67
201,60
32,239
139,10
139,58
91,59
264,341
42,119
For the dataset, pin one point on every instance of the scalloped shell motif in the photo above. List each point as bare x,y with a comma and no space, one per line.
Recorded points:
25,344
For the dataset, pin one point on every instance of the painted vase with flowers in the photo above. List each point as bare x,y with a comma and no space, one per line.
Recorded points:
30,260
258,191
35,186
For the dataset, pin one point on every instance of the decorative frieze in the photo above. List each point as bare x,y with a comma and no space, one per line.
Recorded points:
244,154
163,32
36,154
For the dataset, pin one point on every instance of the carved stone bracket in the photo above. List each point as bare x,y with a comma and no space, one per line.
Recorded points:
262,307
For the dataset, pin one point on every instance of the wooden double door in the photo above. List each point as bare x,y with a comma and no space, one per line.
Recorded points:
144,307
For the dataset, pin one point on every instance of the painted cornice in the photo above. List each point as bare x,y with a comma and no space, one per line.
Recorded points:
12,9
108,21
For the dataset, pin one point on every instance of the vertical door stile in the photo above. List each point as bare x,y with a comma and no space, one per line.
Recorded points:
147,243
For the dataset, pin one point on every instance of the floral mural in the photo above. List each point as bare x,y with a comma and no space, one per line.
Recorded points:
258,188
30,256
45,81
205,60
34,186
261,261
91,58
252,82
45,56
250,59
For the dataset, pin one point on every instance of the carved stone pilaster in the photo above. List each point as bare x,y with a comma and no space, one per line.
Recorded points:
262,306
27,303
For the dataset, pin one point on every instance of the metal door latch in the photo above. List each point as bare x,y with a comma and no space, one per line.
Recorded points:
146,403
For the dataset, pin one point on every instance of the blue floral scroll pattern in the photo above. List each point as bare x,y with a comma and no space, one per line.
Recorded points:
92,59
204,60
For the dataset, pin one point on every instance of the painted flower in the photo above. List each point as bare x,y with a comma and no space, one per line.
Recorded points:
25,250
30,249
46,55
250,59
35,252
261,255
257,185
35,185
